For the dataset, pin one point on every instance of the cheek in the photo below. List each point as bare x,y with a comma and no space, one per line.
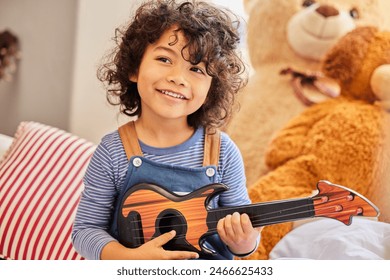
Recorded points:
206,95
205,88
203,92
209,91
203,99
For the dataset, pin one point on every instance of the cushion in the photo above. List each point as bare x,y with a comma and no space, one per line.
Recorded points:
40,184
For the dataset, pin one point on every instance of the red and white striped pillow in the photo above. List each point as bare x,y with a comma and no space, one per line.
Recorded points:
40,183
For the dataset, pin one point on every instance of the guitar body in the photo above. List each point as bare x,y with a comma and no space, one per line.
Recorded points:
148,211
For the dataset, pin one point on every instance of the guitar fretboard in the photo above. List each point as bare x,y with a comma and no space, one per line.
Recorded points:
262,214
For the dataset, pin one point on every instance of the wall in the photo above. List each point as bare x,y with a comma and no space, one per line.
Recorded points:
91,117
41,87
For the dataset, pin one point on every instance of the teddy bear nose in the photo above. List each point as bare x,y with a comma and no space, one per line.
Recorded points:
327,11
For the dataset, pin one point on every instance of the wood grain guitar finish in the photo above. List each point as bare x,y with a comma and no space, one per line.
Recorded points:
148,211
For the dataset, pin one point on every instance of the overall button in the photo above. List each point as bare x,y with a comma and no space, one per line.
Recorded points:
210,172
137,162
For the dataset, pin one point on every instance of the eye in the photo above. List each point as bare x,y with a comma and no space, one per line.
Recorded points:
197,70
308,3
354,13
163,59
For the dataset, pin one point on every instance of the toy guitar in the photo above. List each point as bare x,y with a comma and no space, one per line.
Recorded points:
148,211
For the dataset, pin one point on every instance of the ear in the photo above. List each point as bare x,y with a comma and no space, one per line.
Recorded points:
380,82
133,78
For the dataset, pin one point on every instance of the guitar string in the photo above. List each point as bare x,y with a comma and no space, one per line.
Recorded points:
275,219
212,230
264,214
253,217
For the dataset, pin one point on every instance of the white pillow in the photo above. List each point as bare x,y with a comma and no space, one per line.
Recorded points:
328,239
5,142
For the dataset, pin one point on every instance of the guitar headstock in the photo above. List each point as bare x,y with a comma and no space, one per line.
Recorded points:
338,202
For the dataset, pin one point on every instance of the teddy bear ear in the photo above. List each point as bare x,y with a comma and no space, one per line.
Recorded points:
380,82
342,62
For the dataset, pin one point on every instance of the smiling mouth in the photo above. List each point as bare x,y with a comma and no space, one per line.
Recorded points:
173,94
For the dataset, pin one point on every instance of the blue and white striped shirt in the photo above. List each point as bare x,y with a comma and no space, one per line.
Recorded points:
107,171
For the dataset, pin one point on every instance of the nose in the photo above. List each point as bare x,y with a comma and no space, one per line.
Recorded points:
327,11
177,76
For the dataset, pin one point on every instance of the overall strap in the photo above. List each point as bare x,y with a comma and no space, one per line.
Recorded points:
129,139
212,146
131,145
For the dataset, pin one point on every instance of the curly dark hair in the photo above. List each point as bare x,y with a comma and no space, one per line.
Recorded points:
212,35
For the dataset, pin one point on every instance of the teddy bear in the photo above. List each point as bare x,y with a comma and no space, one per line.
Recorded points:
345,140
275,41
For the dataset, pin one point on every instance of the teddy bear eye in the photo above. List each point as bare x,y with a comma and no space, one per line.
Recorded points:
308,3
354,13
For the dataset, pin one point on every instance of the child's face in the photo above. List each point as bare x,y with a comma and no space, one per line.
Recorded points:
170,87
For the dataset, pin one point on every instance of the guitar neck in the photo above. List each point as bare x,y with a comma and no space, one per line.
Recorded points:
267,213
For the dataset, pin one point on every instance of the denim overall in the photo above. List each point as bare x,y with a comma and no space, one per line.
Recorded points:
174,178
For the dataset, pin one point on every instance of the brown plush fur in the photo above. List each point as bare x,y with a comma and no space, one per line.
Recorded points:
344,140
268,102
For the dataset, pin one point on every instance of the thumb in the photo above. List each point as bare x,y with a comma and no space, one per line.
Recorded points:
162,239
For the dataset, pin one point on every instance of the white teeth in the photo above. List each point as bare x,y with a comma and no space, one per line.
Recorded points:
175,95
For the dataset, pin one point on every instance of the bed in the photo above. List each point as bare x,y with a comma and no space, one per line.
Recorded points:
41,170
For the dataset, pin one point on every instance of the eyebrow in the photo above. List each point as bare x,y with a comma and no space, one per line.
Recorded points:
165,49
171,51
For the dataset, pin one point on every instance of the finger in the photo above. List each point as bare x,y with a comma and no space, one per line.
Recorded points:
236,224
246,224
164,238
221,229
181,255
228,226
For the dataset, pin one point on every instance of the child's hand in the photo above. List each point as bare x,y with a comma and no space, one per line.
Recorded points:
151,250
237,232
154,250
